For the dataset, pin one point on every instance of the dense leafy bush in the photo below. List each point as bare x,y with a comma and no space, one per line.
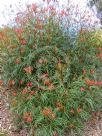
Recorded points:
54,85
58,110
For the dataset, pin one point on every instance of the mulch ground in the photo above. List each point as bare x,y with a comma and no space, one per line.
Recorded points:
7,127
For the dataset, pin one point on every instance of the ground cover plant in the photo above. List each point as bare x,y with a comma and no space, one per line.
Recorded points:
54,85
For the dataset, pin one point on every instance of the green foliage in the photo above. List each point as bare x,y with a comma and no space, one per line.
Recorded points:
71,108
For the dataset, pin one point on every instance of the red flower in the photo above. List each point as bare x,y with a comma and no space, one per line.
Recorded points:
99,55
23,42
27,117
92,71
32,92
47,82
38,19
90,82
82,89
34,7
25,91
72,111
63,13
100,49
52,8
11,82
21,82
1,82
39,26
46,111
19,30
59,106
28,69
98,83
26,114
79,110
29,84
14,94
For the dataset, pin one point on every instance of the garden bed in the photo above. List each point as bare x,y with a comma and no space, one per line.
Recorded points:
54,84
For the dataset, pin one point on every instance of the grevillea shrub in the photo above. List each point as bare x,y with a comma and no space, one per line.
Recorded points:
57,111
53,89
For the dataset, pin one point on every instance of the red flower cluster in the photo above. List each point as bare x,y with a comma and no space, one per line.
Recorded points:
49,84
28,69
14,93
39,26
93,83
34,7
21,82
19,30
64,13
79,110
59,106
47,112
11,83
27,117
25,91
29,84
32,92
82,89
23,42
99,55
1,82
99,49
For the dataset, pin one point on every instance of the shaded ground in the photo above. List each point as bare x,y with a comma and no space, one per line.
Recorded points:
94,127
6,125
